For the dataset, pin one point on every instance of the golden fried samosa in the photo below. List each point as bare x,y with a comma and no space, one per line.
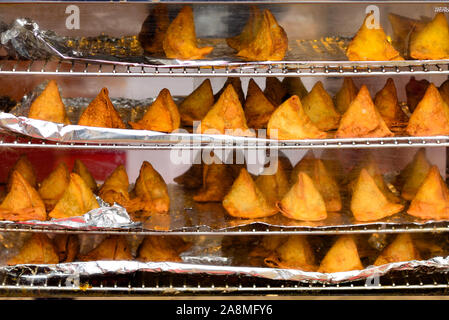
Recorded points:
371,44
192,178
80,169
401,249
38,249
323,180
295,253
197,104
303,201
245,200
22,202
24,166
152,33
226,116
180,39
290,122
386,102
249,31
432,199
152,190
346,94
342,256
275,185
415,91
236,84
432,41
101,113
217,181
52,187
294,87
67,246
444,91
320,108
112,248
163,115
402,28
270,42
274,90
161,248
362,120
369,201
258,108
49,106
414,175
77,200
431,116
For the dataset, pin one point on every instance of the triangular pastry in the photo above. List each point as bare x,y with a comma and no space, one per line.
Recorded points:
431,116
217,181
67,246
180,39
48,105
402,28
274,90
77,200
362,120
80,169
295,253
415,91
303,201
161,248
432,41
52,187
112,248
236,84
152,33
163,115
294,87
386,102
197,104
444,91
290,122
193,177
345,95
414,175
342,256
258,108
275,185
38,249
320,108
101,113
249,31
401,249
245,200
24,166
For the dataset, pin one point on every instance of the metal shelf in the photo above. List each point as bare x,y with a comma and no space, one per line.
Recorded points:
285,69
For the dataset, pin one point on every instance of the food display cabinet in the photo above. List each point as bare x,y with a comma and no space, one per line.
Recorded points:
364,180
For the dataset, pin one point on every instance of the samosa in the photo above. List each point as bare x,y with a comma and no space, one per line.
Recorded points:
401,249
431,116
197,104
193,177
270,42
163,115
80,169
402,29
414,175
236,84
245,200
369,202
432,41
52,187
444,91
152,190
290,122
294,87
101,113
76,200
226,116
274,185
115,190
320,108
217,181
371,44
152,33
258,108
48,105
274,90
432,199
249,31
386,102
160,248
342,256
415,91
67,246
303,201
180,39
24,166
346,94
295,253
38,249
362,120
112,248
22,202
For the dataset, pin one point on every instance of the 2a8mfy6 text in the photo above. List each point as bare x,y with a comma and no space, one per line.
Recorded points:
225,309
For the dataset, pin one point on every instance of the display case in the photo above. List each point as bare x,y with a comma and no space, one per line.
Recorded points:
339,148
